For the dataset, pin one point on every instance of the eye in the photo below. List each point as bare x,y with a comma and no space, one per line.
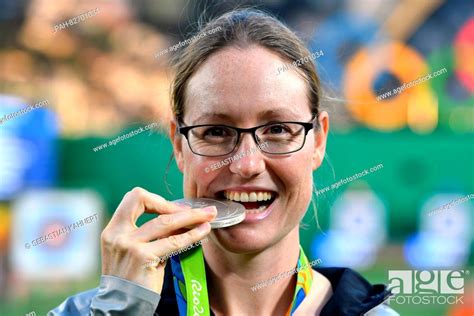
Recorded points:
217,131
277,129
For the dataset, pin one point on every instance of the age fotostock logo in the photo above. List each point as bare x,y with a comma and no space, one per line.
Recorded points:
427,286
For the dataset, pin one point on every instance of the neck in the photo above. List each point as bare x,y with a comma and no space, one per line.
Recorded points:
232,275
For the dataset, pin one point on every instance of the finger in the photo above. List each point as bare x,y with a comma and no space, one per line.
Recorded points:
139,201
162,248
167,224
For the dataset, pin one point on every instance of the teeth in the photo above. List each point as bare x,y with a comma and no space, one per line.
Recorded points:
253,197
248,196
258,210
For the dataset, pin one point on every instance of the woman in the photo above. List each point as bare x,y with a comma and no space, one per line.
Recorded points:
230,96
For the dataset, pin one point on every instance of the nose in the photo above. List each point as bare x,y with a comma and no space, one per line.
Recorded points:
248,160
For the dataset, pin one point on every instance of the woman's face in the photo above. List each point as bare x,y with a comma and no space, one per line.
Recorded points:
241,88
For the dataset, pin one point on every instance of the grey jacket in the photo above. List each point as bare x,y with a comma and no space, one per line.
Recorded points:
114,296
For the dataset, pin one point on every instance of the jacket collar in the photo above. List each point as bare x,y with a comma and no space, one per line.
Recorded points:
352,294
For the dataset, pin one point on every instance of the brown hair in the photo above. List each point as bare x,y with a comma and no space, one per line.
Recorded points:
242,28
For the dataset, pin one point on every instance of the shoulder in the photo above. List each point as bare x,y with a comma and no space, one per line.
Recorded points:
351,292
78,304
113,294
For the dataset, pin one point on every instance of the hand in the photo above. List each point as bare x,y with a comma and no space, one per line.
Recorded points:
127,249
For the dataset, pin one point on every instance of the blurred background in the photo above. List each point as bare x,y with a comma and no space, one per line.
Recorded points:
101,79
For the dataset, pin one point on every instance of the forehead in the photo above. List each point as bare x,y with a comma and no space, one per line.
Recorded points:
243,84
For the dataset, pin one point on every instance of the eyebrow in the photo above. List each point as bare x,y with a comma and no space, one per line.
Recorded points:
278,113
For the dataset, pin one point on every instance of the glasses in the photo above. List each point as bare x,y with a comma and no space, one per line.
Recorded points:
277,138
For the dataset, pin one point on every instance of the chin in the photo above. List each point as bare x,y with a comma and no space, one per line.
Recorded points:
245,238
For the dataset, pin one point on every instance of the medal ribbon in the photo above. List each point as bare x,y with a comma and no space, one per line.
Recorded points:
304,280
189,279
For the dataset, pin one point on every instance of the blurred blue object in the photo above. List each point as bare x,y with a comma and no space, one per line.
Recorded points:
445,235
28,156
11,9
358,229
340,36
55,234
439,30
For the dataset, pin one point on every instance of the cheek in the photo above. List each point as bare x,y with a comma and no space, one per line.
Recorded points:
197,172
299,180
299,169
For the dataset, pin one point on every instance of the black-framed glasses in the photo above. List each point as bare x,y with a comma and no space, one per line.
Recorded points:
277,138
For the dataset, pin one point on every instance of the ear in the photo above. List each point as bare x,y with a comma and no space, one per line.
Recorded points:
320,136
177,141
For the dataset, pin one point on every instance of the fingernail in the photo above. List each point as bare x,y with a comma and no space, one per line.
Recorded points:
203,227
210,209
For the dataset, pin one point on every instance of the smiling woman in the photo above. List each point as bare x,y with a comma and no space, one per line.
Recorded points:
227,98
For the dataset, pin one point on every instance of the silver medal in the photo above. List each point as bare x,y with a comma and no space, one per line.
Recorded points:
228,213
